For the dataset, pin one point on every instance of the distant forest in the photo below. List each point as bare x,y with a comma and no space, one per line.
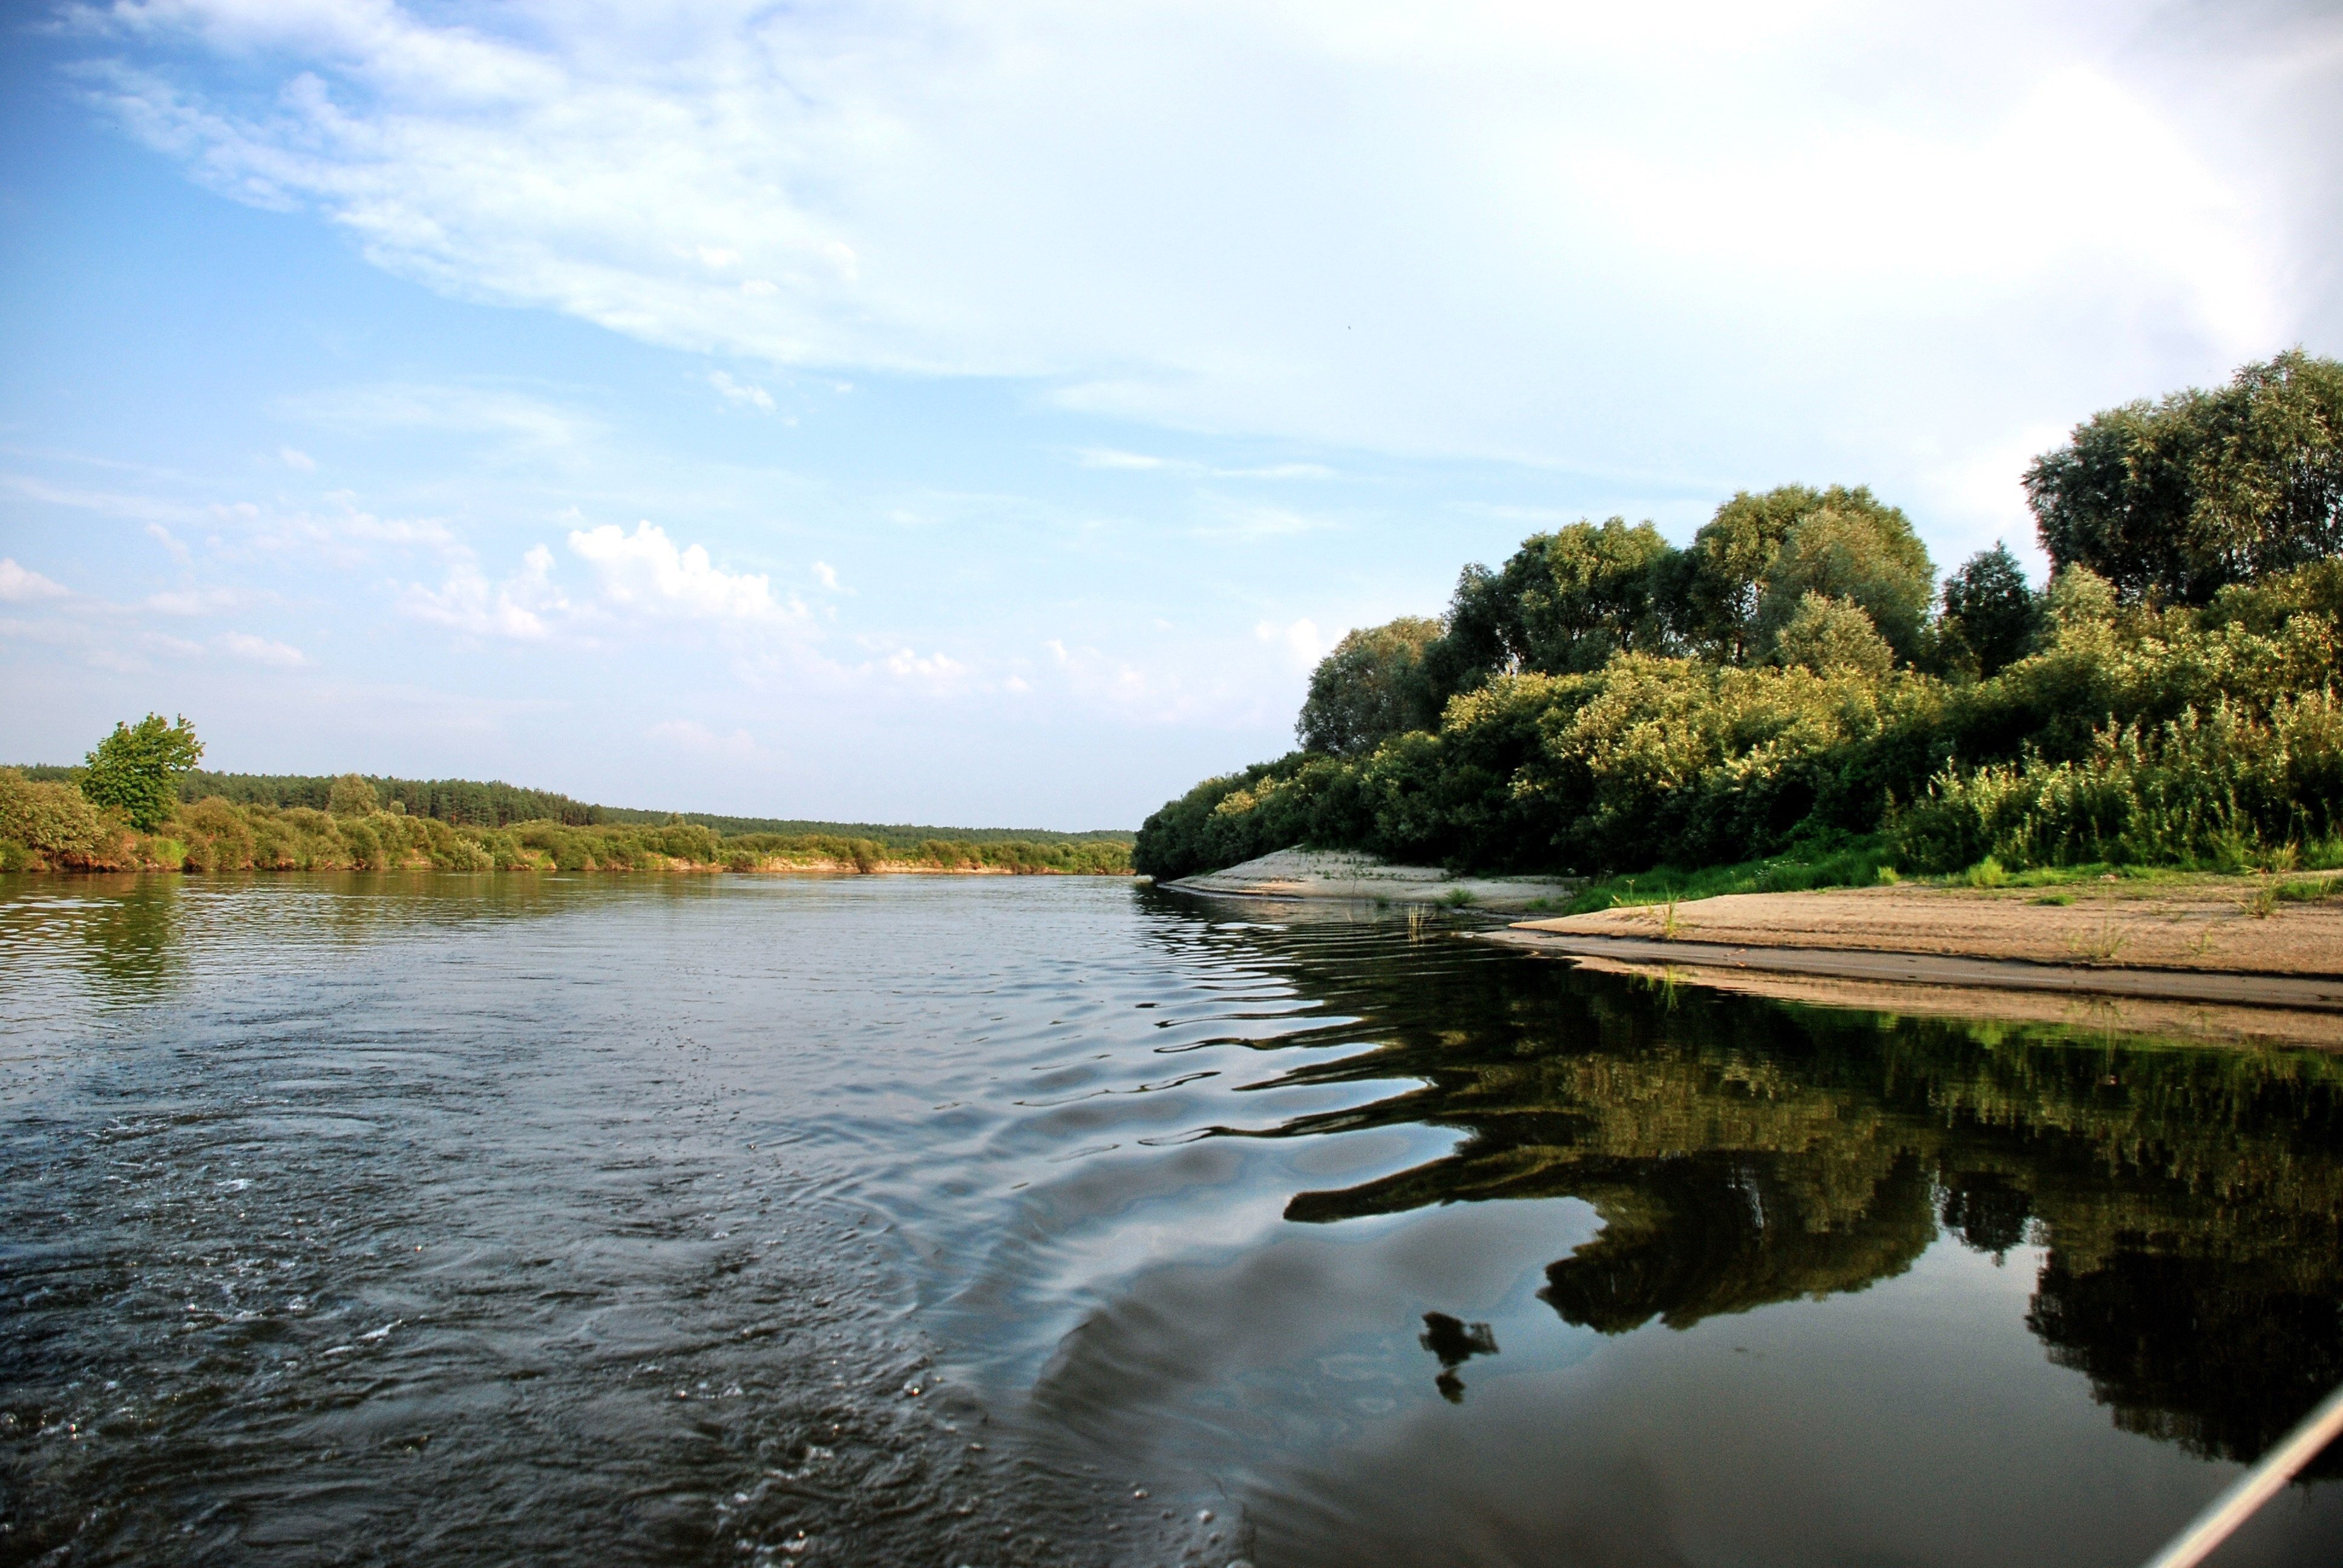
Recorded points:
467,802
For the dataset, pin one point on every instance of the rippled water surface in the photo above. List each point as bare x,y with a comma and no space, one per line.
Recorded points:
985,1220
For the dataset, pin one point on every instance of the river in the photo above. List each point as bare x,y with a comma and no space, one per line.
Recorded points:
420,1219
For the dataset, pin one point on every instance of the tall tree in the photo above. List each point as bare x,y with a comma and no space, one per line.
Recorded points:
1866,555
136,770
1584,593
2179,499
1732,559
1990,614
1373,687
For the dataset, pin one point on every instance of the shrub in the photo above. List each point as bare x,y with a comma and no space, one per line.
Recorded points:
50,820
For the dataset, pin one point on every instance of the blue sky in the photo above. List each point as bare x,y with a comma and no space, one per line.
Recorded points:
984,414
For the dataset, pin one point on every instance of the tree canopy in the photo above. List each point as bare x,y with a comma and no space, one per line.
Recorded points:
136,770
1864,554
1370,688
1990,615
2179,499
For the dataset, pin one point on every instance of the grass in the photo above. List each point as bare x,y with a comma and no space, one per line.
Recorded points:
1858,862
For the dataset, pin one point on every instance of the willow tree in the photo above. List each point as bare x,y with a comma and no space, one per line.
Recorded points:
2178,499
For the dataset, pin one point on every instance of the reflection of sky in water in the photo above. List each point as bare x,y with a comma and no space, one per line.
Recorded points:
1385,1246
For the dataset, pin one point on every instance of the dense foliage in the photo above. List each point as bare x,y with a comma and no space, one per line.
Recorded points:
1607,702
2179,499
136,770
49,822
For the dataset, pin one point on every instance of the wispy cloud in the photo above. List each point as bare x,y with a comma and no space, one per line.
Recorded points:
20,585
128,506
169,541
695,738
918,188
260,650
519,418
744,393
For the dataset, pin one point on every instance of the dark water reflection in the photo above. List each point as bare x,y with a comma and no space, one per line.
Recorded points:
941,1221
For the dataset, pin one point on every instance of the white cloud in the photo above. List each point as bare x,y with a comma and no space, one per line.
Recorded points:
934,668
1253,520
645,571
426,532
524,422
521,607
194,601
19,585
1674,237
689,735
1299,640
294,457
741,392
108,503
1110,457
169,541
261,649
827,575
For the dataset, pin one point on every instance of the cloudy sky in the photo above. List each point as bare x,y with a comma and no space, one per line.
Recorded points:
983,413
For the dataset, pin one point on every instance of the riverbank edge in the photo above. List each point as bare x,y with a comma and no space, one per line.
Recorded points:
773,868
1350,877
2297,993
2225,941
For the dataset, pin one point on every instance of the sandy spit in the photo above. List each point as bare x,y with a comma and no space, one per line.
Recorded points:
2202,925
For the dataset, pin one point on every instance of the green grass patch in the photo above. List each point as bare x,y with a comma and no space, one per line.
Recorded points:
1850,863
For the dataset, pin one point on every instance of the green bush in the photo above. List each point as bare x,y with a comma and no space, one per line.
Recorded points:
46,820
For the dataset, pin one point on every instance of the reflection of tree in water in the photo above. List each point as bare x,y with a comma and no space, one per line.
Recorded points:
129,931
1454,1341
1742,1153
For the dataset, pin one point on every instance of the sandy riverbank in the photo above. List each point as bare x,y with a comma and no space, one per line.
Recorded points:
2202,924
2203,955
1349,875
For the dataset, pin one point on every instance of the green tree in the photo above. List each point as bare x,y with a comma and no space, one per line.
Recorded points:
351,796
1565,602
1990,614
2179,499
1371,687
1732,561
1581,594
1831,634
1867,556
136,770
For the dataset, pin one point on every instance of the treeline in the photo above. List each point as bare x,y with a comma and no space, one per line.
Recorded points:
1795,677
51,823
467,802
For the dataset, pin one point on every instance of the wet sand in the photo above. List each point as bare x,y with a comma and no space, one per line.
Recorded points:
2215,957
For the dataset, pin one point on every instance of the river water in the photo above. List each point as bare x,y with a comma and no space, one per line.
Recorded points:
938,1220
